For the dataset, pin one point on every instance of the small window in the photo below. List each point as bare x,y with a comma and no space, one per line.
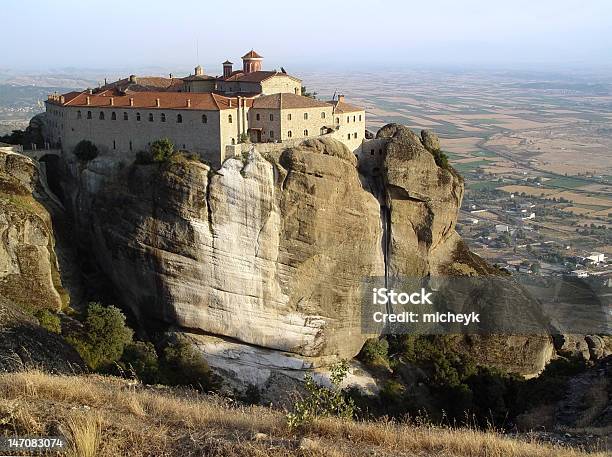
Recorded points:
88,114
288,117
371,152
257,117
179,118
337,120
137,116
114,143
229,119
271,133
163,117
289,134
79,115
113,116
323,115
348,136
204,119
348,119
354,118
233,140
125,116
271,117
150,117
101,115
130,145
305,132
184,147
360,118
355,135
305,116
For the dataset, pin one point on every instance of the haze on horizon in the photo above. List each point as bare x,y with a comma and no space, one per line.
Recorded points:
43,35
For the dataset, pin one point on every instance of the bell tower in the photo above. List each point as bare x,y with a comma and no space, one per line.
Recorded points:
251,62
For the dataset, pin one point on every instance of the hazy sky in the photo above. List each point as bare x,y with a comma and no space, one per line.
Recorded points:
132,33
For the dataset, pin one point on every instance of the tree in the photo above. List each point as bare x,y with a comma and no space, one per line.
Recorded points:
141,359
49,321
161,150
85,150
103,337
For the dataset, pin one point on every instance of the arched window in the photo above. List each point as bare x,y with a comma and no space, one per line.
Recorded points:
113,116
88,114
360,118
354,118
348,119
130,145
229,118
101,115
323,115
204,119
125,116
150,117
289,134
79,115
305,132
271,117
257,117
179,118
305,116
137,116
114,145
348,137
233,141
289,116
355,135
163,117
337,120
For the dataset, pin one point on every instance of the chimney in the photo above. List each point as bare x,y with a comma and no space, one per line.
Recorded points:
341,98
131,101
199,71
88,100
188,103
157,102
227,68
112,101
170,75
61,99
90,91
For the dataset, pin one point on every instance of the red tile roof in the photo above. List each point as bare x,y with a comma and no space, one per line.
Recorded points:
252,55
278,101
148,100
342,107
146,83
256,76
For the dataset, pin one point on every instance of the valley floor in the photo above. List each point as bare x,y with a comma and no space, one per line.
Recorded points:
106,416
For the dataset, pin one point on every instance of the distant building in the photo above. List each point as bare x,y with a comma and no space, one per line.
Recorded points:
501,228
596,257
580,273
201,113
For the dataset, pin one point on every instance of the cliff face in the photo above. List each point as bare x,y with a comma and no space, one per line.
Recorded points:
28,270
271,251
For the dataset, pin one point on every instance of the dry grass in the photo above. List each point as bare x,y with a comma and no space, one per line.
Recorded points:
110,417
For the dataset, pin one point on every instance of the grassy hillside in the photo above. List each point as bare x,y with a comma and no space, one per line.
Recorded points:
107,416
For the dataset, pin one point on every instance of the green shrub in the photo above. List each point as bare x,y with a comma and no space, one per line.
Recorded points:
49,321
183,365
441,159
85,150
322,401
161,150
140,359
375,351
103,337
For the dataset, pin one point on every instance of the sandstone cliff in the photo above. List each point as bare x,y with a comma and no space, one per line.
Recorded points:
263,259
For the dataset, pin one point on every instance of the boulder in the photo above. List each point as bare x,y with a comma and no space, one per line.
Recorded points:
430,140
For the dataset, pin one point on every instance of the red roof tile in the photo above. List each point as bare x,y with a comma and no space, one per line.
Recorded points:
148,100
252,55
